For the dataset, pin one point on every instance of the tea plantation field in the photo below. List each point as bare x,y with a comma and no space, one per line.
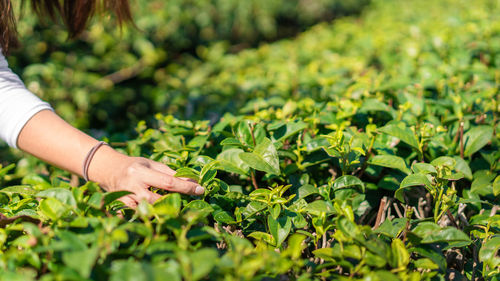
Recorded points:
363,149
109,70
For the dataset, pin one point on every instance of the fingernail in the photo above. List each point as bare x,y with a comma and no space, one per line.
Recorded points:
199,190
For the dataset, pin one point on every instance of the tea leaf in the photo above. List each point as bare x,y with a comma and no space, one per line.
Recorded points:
401,132
476,138
390,161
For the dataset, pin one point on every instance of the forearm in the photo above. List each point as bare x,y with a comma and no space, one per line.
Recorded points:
53,140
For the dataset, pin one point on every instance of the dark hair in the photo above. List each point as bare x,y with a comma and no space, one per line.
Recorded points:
75,14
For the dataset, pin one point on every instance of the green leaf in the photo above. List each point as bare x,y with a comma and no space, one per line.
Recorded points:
232,142
319,206
81,261
263,236
348,227
306,190
263,158
260,193
444,161
433,233
496,186
375,260
401,132
400,256
299,221
36,181
295,246
390,161
198,205
208,177
189,173
253,208
483,182
288,130
229,161
244,134
423,168
376,105
392,228
52,208
348,181
95,200
462,167
110,197
208,172
5,170
275,211
386,275
169,205
202,262
476,138
223,217
130,270
489,252
431,253
326,253
409,181
425,263
279,228
62,194
24,190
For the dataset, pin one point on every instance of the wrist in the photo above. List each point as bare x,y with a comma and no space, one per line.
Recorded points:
105,167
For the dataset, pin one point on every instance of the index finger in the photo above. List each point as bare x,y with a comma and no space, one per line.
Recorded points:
166,170
161,180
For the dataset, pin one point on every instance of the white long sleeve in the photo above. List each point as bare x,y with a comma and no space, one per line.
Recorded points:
17,104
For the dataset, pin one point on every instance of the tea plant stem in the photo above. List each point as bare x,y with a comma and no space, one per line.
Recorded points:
408,215
455,138
344,164
357,268
254,180
252,128
421,204
396,208
452,219
494,210
417,213
462,140
368,155
381,210
438,205
475,261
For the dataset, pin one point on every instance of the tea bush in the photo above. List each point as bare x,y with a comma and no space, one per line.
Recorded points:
112,71
363,150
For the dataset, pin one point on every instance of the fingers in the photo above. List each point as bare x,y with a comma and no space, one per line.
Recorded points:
160,180
128,201
165,169
143,194
133,200
161,167
146,173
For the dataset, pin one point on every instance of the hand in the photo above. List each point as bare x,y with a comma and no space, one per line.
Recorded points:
137,175
50,138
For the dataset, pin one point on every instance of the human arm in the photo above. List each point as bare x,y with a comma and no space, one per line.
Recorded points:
51,139
31,125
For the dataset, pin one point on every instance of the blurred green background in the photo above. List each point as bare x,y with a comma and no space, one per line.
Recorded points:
110,78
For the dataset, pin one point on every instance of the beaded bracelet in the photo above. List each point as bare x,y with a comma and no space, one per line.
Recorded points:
88,159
